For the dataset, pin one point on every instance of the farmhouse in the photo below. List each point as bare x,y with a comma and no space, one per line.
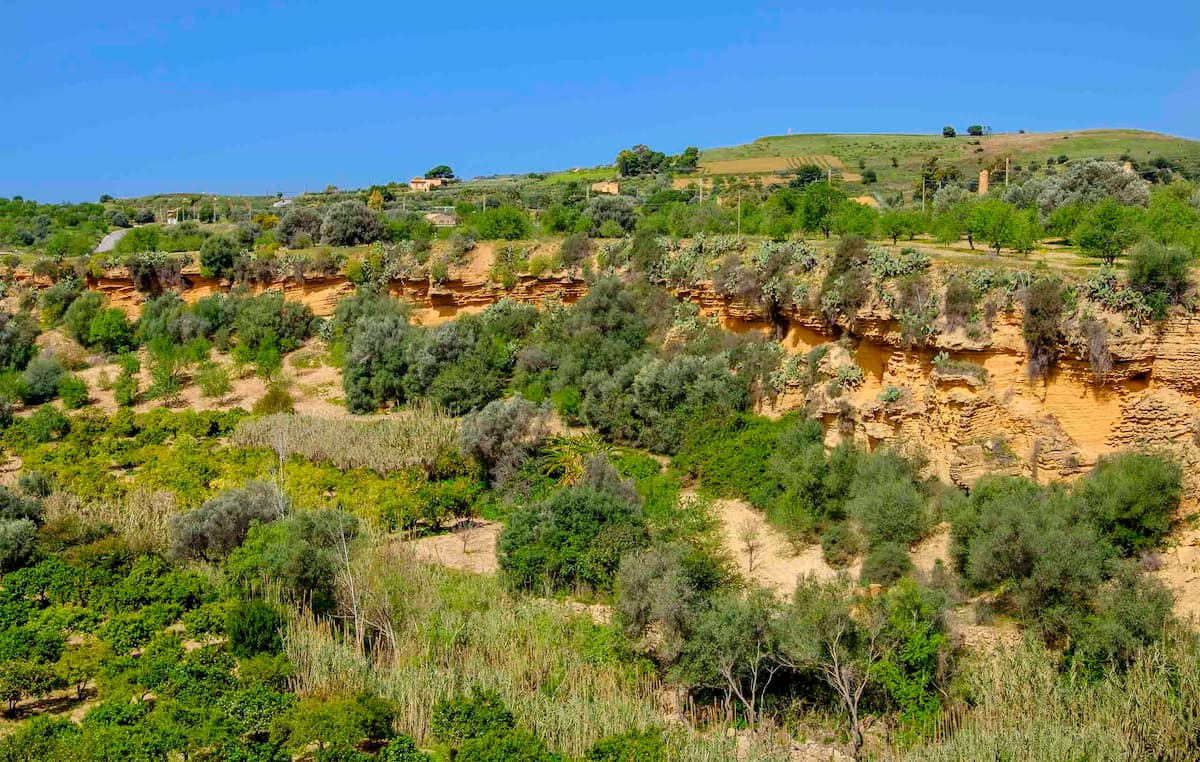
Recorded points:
425,184
610,187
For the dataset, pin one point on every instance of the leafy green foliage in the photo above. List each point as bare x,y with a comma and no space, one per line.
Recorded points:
1042,326
217,255
474,715
503,223
1131,498
1161,274
573,539
253,628
348,223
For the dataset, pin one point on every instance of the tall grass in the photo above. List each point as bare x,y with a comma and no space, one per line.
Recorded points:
417,436
564,677
143,517
1023,708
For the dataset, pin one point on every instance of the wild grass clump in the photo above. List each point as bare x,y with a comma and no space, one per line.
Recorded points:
143,516
563,677
418,436
1022,707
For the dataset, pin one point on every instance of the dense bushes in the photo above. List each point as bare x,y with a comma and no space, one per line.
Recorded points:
217,255
348,223
1160,273
461,365
844,288
503,436
1042,326
300,227
1131,498
572,540
506,223
220,525
1051,550
17,336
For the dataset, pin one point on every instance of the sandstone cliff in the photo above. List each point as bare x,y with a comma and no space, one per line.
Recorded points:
964,424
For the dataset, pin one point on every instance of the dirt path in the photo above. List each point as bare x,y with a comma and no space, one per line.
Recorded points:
110,241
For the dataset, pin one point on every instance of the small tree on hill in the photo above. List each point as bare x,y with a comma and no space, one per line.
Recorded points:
349,223
948,132
975,130
441,171
216,256
818,204
1107,231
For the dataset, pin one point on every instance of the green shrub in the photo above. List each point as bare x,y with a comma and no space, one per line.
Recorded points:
503,223
276,400
1132,498
77,318
640,745
960,302
1042,326
125,389
73,391
217,255
41,380
1161,273
253,628
18,336
1132,611
110,330
840,545
845,286
505,746
213,380
886,563
1029,540
575,250
730,455
572,540
402,749
886,503
462,718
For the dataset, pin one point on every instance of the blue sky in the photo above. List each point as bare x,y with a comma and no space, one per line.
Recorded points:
254,97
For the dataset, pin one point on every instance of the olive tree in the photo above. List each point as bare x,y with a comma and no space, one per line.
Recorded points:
300,227
349,223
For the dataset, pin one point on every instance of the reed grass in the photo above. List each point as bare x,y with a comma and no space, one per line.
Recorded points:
143,517
1024,708
417,436
565,678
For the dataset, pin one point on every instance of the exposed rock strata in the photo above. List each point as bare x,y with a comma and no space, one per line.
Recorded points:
964,425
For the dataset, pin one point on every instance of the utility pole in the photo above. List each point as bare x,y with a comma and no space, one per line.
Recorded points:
739,215
1006,160
922,193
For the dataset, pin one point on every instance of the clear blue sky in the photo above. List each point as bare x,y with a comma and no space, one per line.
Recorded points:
135,98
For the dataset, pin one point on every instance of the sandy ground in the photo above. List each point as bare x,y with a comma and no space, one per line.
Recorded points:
1179,571
936,547
472,550
317,391
776,563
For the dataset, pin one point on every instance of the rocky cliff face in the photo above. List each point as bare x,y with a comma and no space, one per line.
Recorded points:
964,422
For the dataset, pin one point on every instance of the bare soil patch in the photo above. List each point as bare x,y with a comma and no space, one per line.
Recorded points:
775,562
469,549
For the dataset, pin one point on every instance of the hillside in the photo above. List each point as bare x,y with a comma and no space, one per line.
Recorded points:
849,154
